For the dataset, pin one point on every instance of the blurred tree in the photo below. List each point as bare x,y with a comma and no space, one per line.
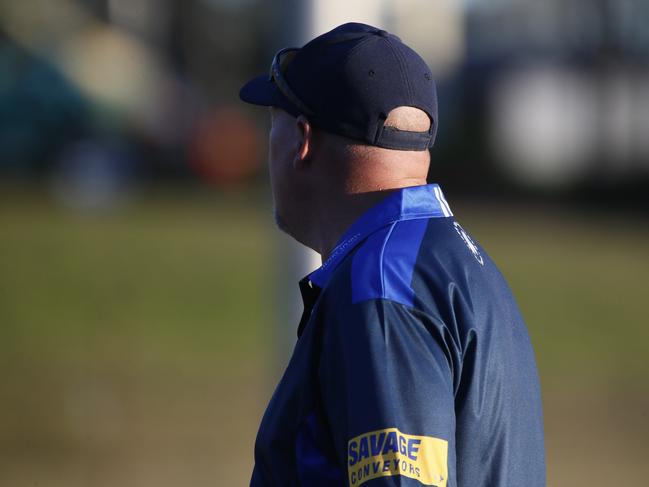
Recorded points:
40,110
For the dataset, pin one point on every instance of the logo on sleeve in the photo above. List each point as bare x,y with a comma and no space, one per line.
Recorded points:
390,452
469,243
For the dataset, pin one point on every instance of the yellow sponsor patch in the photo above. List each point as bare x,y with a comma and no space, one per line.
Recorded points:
388,452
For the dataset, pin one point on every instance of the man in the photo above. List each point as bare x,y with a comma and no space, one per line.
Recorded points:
413,365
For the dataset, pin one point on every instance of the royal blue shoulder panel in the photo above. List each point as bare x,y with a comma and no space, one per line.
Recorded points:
383,266
412,203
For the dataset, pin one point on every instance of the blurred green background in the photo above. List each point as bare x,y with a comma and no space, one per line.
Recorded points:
146,300
137,347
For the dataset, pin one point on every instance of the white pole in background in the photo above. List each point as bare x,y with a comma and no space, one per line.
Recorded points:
434,29
299,22
324,15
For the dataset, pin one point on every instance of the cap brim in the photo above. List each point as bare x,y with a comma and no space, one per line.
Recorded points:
260,91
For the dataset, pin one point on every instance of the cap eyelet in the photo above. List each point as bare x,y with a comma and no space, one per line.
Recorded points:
371,73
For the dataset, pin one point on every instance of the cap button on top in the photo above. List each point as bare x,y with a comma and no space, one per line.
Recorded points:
382,33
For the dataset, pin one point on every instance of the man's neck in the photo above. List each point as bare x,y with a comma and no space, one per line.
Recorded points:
336,218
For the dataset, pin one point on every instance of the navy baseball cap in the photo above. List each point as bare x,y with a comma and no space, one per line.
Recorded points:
347,81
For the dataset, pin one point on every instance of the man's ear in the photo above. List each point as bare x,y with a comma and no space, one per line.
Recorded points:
305,141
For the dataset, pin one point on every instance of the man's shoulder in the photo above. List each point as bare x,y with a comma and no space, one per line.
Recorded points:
385,265
414,262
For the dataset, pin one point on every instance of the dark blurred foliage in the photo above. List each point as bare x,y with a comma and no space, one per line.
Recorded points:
40,110
196,54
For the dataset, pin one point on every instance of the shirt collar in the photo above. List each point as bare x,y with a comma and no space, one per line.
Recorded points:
405,204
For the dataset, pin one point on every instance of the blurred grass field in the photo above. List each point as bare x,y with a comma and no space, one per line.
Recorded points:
137,345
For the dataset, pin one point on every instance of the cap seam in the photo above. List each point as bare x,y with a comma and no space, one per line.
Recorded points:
401,64
345,63
355,48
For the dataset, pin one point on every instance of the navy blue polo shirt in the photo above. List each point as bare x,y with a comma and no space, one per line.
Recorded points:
413,364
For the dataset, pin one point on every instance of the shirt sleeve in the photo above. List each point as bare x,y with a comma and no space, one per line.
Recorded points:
386,378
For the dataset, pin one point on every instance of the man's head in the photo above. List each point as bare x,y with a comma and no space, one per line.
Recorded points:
347,81
352,111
